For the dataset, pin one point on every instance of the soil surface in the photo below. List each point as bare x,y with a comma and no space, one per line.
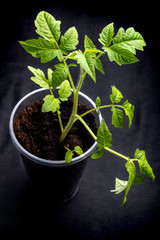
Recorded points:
39,132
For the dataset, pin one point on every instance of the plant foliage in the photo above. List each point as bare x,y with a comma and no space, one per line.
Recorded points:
120,48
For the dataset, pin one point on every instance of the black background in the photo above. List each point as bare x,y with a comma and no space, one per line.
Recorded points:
94,213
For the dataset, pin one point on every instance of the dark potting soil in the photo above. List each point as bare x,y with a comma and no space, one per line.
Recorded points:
39,132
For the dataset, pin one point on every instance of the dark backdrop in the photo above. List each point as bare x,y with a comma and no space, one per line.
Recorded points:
94,213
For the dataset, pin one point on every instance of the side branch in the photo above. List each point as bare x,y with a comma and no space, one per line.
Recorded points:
95,138
101,107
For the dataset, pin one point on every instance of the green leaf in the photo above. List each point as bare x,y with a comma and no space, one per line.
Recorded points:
120,55
59,75
72,65
132,174
116,95
99,66
78,150
97,154
138,180
69,156
93,52
129,110
51,104
65,90
88,44
47,26
124,45
143,164
60,55
87,63
39,78
106,35
73,55
98,102
130,40
104,137
40,48
120,186
70,39
50,76
117,117
90,47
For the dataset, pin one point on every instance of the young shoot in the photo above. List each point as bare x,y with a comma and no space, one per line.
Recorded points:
121,48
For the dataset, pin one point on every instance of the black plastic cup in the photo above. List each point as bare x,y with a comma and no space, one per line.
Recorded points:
55,180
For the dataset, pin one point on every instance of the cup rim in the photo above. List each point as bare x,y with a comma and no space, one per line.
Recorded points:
36,159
